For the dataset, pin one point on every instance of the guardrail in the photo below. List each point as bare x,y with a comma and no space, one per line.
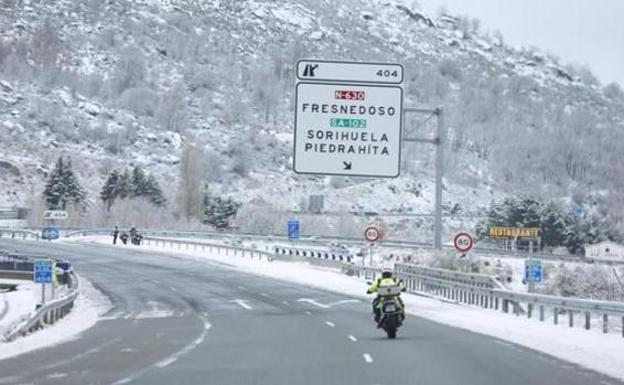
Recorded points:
477,294
48,313
19,234
210,247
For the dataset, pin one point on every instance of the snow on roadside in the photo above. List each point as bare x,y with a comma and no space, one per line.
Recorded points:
591,349
89,306
19,303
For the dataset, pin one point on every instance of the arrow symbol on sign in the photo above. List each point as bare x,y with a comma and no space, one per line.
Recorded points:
347,165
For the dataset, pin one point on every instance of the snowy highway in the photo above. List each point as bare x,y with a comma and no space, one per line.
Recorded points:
183,321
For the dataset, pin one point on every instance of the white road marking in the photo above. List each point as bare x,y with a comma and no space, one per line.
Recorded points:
111,316
56,375
173,288
285,303
171,359
308,312
79,356
242,303
188,348
313,302
352,338
265,295
367,358
330,324
329,305
242,287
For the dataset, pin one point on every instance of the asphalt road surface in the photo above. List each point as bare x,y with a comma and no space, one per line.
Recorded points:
181,321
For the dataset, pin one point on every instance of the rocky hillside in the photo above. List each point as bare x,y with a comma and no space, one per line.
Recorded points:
119,83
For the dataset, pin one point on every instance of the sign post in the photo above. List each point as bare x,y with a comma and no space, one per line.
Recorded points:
372,234
348,118
533,273
43,273
293,230
463,243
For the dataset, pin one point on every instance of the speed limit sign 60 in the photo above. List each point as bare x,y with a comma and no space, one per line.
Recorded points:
372,234
463,242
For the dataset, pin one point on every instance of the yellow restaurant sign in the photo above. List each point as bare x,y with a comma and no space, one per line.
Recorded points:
513,232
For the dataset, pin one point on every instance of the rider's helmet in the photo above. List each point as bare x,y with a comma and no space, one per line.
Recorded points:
386,273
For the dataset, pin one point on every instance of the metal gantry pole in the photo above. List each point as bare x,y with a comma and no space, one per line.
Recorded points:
439,176
439,143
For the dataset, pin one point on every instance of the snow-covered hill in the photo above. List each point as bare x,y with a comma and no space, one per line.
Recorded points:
119,83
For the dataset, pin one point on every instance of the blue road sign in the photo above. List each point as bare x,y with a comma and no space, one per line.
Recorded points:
43,270
50,232
533,270
577,211
293,230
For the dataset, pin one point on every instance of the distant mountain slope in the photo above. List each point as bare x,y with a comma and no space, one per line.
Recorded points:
118,82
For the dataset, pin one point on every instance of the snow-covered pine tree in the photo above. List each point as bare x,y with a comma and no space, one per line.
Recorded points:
63,187
55,189
153,192
124,187
209,209
555,224
139,185
218,211
75,192
110,190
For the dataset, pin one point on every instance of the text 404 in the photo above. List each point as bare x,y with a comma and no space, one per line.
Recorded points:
387,73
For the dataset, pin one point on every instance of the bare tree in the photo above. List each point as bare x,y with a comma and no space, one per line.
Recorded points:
190,187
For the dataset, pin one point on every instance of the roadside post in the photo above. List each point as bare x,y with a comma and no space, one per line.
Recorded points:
463,244
43,273
372,234
533,273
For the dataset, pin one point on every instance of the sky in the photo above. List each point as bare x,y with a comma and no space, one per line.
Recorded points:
585,32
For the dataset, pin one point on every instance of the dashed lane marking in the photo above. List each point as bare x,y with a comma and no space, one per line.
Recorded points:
330,324
242,303
367,358
352,338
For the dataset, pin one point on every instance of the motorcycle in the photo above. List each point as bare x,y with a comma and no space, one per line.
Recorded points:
136,239
391,312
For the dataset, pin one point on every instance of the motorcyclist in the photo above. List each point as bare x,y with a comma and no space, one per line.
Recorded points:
386,280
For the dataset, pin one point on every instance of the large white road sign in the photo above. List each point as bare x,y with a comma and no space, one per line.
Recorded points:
348,129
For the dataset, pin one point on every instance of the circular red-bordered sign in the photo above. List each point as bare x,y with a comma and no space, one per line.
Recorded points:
372,234
463,242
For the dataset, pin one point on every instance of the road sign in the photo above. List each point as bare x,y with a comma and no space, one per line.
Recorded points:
372,234
339,136
348,118
533,271
50,232
357,72
43,272
55,214
463,242
577,211
513,232
293,230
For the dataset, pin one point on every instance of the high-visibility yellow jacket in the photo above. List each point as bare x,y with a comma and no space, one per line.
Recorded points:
382,282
